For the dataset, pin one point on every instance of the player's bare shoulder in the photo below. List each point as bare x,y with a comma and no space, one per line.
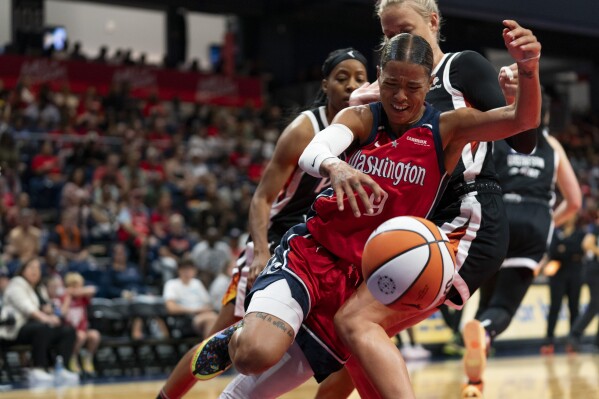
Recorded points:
300,128
358,118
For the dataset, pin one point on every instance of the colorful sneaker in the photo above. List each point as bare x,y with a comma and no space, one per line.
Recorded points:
74,365
212,355
88,366
572,345
453,349
475,357
416,352
470,391
547,349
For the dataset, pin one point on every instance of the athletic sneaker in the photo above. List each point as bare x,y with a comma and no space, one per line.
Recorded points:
39,378
416,352
475,357
212,356
572,345
66,377
548,347
470,391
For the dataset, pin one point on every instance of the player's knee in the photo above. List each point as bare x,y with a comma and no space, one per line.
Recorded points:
254,356
347,327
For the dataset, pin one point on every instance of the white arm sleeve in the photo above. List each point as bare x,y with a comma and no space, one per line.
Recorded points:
328,143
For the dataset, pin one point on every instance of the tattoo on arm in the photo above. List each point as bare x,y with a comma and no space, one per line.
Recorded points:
525,74
278,323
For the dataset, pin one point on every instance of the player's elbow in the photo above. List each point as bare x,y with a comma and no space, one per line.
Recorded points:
530,121
575,203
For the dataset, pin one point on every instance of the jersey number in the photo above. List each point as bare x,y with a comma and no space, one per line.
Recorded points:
377,206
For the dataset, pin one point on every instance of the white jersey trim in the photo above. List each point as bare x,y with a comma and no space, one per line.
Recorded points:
298,173
470,216
520,262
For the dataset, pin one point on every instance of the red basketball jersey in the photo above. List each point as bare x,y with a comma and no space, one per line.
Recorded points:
409,168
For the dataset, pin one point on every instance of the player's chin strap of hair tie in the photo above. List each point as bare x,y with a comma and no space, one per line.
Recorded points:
525,60
349,54
329,143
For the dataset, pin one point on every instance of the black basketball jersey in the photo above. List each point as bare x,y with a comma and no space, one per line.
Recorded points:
527,177
300,190
467,79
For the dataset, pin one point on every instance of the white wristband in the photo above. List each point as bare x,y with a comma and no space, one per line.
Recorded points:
329,143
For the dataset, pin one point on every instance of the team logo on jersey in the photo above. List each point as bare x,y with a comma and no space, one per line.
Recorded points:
435,84
525,165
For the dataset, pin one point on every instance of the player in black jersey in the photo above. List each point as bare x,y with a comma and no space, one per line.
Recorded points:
528,182
566,248
283,196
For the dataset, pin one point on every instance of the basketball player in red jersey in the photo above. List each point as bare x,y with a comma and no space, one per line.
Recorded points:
471,211
401,151
284,194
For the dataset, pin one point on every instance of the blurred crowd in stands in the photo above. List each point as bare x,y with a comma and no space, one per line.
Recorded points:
122,192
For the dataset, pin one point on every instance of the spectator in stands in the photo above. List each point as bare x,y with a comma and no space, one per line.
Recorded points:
76,54
24,241
46,184
211,256
90,113
53,264
73,300
9,154
14,210
134,175
110,172
43,114
161,214
134,226
102,222
66,101
186,296
141,61
76,192
153,166
117,58
175,170
174,247
194,66
70,241
158,135
215,209
102,55
36,324
123,279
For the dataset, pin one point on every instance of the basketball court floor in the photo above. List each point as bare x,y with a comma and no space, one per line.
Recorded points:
536,377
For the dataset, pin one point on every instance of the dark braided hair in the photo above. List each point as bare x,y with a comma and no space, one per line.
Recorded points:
409,48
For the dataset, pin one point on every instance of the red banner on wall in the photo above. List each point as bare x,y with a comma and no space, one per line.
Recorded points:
79,75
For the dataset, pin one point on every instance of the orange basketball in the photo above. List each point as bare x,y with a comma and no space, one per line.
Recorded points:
408,262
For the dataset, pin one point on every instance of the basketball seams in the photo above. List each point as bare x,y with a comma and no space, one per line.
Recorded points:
424,269
427,274
385,261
